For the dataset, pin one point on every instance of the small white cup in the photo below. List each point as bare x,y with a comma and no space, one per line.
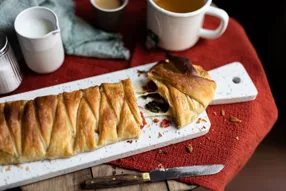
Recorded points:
45,53
180,31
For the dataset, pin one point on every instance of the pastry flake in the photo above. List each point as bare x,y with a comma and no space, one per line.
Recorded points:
187,88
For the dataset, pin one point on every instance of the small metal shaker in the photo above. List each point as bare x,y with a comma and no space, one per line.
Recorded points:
10,74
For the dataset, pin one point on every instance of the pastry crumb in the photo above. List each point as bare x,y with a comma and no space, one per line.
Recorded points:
189,148
222,112
133,158
27,168
8,168
130,141
19,166
163,152
204,127
165,123
203,120
237,138
198,121
119,160
234,119
159,135
156,120
215,113
160,166
208,138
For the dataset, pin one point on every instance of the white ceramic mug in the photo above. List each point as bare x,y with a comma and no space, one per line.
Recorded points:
179,31
40,41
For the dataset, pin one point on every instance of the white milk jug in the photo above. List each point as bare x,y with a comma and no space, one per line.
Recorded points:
39,35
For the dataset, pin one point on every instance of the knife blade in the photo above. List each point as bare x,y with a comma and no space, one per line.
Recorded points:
179,172
152,176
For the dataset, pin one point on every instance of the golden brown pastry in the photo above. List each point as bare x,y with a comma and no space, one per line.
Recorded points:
64,125
187,88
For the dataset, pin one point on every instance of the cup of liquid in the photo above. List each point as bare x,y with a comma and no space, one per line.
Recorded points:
40,40
108,13
177,25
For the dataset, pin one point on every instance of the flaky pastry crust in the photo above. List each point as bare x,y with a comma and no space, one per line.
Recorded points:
187,91
59,126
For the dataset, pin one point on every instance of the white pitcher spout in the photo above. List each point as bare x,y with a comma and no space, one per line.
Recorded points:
56,31
57,23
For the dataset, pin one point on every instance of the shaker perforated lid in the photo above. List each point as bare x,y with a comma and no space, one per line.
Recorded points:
3,44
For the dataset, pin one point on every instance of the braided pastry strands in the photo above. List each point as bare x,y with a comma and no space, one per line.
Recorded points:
188,90
60,126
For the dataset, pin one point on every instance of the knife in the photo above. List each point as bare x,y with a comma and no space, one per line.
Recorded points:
152,176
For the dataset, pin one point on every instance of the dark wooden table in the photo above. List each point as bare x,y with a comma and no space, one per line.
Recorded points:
72,181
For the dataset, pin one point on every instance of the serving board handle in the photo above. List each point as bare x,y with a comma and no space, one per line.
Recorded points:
233,84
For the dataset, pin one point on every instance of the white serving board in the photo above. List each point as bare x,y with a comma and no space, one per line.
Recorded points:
227,90
149,139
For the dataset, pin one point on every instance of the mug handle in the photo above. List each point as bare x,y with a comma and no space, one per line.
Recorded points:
223,16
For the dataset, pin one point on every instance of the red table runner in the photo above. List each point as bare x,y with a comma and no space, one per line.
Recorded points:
228,143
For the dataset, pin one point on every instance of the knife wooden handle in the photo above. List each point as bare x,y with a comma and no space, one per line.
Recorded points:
116,181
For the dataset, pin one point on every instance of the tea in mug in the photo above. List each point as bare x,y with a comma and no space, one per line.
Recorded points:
108,4
180,6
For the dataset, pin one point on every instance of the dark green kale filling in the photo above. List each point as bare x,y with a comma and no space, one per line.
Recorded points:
159,105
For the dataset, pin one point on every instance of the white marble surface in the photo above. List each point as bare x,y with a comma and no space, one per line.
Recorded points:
227,90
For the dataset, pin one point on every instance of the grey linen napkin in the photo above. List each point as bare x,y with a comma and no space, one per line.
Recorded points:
79,38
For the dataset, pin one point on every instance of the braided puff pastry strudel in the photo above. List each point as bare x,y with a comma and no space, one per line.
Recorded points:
187,88
63,125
